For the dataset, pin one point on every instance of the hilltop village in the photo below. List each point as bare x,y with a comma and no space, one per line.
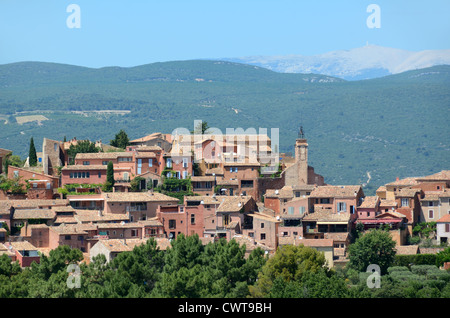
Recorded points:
214,186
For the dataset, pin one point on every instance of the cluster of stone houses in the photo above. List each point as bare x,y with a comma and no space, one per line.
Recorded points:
243,191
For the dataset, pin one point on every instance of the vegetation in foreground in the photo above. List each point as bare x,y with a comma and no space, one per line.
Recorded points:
222,270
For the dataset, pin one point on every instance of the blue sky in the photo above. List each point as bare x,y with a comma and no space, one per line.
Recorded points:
136,32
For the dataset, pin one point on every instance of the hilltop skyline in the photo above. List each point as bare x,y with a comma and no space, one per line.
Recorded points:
124,34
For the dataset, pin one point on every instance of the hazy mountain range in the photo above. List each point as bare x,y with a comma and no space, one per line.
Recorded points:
370,61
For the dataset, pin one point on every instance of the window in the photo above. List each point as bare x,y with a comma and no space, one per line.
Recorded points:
185,162
325,201
430,214
262,225
105,163
447,227
16,173
226,219
302,209
86,163
430,203
67,237
55,146
169,163
172,224
291,210
99,174
185,174
192,218
341,207
297,194
405,202
124,159
134,232
247,184
150,162
263,236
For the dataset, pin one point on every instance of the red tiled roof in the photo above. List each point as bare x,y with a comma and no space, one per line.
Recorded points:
444,219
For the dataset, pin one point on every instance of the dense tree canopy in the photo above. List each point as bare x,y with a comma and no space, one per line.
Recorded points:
223,269
374,247
82,146
121,140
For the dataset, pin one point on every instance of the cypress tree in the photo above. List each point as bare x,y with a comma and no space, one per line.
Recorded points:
109,176
32,154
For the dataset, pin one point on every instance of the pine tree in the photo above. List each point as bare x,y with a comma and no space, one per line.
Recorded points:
121,140
32,154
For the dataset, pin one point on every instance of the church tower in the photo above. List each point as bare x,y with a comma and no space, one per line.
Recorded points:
301,157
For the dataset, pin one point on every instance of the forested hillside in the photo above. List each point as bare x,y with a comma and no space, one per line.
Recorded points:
382,128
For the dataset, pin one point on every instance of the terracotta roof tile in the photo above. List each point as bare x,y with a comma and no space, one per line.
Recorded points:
407,249
443,175
232,204
84,167
136,197
444,219
404,182
370,202
345,191
103,155
23,214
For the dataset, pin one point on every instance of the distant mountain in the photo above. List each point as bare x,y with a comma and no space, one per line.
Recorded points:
367,62
388,127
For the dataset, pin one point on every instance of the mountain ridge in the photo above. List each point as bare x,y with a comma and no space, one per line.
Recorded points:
366,62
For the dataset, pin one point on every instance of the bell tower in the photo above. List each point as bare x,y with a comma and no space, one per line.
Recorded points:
301,157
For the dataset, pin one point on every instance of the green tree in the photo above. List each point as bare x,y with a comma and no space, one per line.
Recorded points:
289,264
373,247
201,128
109,184
83,146
32,157
135,184
12,160
443,256
121,140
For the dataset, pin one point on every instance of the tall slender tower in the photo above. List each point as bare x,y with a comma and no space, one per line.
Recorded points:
301,157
